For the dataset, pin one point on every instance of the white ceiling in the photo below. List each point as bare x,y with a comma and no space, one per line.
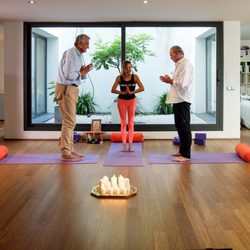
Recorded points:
127,10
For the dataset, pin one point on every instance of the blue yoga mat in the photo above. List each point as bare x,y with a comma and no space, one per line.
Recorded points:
115,157
45,159
196,158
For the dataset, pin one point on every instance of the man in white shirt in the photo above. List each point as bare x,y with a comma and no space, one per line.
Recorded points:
180,96
71,72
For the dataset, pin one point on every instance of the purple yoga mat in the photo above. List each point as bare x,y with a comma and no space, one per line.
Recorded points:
45,159
197,158
115,157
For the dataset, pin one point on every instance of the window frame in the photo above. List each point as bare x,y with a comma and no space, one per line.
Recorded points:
29,126
36,36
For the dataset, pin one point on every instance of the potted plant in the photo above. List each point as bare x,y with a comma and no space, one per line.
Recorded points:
162,107
86,104
57,114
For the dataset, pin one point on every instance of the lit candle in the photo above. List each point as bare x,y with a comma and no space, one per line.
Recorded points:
115,189
120,181
108,187
127,184
101,182
122,189
103,190
114,181
105,178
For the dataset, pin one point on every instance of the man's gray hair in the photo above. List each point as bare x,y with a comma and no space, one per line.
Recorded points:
177,49
81,38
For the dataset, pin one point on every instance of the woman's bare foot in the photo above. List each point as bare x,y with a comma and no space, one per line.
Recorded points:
181,159
176,154
131,148
124,147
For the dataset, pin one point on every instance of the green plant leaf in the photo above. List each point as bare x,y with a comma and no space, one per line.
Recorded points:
108,55
85,104
161,106
52,87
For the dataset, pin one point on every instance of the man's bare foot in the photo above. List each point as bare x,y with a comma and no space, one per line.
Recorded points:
176,154
71,158
124,147
181,159
131,148
78,154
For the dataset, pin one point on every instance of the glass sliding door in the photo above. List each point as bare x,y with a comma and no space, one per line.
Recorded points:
39,92
211,75
150,58
147,45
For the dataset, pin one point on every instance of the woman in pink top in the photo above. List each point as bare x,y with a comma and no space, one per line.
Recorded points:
127,101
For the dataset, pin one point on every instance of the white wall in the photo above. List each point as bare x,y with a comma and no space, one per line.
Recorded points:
1,58
1,73
13,78
13,85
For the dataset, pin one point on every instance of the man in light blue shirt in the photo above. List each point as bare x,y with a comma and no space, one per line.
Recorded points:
71,72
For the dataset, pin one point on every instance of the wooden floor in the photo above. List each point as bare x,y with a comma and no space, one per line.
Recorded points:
177,206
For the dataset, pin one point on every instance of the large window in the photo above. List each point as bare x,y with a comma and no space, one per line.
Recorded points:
147,46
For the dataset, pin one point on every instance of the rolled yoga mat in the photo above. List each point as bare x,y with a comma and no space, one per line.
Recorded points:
45,159
116,137
197,158
243,151
115,157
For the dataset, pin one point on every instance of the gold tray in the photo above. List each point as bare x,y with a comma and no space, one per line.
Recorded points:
96,192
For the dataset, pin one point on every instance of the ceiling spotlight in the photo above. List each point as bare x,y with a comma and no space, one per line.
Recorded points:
31,2
145,1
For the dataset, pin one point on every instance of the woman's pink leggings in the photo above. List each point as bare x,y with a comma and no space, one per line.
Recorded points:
125,106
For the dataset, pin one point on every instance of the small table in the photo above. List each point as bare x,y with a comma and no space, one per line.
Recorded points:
92,133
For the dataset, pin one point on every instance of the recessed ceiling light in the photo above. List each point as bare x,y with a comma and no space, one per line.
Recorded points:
31,2
145,1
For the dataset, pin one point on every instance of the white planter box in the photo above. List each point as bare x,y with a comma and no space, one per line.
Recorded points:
57,115
115,117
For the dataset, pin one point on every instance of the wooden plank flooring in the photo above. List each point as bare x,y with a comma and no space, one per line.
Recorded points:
177,206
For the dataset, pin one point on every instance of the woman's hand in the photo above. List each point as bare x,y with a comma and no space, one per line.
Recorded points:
128,90
124,92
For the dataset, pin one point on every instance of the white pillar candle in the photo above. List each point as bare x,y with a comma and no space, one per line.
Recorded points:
101,184
103,190
105,178
115,189
113,181
108,187
120,181
127,184
122,189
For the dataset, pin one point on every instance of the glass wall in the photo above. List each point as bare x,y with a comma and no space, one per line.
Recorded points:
39,96
147,46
